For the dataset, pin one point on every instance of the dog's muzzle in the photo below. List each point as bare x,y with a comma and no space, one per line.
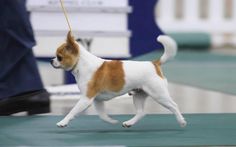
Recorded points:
55,64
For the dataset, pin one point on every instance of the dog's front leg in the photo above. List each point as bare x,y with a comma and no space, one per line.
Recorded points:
99,105
81,105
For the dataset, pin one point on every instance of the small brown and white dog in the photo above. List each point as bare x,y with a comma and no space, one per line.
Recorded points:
100,80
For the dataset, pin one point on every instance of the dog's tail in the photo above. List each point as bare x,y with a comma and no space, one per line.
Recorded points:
170,48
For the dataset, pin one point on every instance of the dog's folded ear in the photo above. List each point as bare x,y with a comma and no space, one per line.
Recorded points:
71,43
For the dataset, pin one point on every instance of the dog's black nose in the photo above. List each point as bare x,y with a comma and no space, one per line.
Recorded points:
51,62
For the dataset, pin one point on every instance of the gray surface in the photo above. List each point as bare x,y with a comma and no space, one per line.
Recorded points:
153,130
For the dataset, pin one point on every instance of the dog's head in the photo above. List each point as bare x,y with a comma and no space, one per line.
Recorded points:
67,54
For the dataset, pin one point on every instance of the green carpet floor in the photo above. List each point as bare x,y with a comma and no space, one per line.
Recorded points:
201,69
153,130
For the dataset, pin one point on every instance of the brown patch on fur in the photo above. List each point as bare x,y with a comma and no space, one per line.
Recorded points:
109,77
157,65
69,52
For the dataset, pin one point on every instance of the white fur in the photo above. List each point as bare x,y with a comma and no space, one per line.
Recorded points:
141,75
170,47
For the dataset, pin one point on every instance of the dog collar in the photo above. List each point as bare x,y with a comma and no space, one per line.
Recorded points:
72,69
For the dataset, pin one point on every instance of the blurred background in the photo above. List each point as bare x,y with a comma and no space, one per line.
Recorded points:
201,77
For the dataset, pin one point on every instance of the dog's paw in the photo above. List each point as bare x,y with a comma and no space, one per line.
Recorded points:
113,121
62,124
110,120
126,124
183,123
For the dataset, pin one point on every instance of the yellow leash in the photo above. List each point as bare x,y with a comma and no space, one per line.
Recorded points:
65,13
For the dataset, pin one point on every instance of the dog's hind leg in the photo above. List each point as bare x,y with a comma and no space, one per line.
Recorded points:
168,103
139,101
99,105
163,98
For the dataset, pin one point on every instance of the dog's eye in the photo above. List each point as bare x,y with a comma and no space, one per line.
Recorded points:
59,58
